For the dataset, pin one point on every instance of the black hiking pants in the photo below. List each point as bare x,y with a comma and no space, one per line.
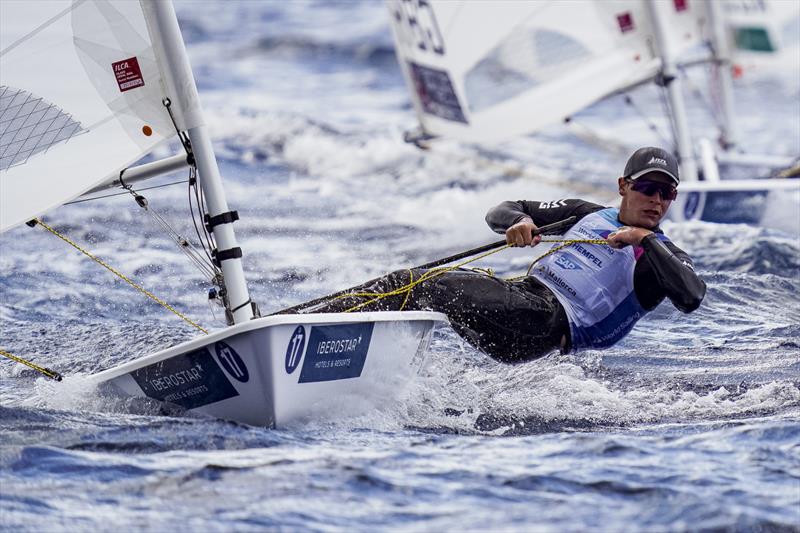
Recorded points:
511,321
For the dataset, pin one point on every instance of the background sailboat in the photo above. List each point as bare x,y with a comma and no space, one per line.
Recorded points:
485,72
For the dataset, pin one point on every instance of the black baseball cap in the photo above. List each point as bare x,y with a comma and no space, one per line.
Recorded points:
652,159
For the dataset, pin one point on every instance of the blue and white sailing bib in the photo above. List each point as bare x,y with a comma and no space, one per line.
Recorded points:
594,283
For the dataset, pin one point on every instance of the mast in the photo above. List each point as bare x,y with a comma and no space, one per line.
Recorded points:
722,58
672,82
181,85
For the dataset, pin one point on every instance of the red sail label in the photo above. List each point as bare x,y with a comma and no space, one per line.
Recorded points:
128,74
625,21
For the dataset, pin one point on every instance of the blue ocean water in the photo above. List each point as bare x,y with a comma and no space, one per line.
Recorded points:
691,423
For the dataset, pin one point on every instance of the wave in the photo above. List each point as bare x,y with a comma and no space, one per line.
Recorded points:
739,248
301,48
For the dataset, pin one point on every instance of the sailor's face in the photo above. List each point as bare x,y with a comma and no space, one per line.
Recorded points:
639,209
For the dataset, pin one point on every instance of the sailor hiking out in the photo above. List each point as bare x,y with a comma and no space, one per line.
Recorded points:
581,296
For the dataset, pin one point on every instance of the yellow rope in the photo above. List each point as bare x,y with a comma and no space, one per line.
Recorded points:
376,296
408,294
52,374
122,276
489,271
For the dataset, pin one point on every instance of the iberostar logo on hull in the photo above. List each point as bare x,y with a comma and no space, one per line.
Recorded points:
190,380
336,352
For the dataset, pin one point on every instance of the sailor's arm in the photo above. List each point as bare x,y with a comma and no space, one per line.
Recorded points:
675,273
518,219
671,267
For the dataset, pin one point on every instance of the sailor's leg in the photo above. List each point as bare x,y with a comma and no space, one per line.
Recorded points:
510,321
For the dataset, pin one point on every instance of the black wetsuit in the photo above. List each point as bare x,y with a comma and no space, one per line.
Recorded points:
516,321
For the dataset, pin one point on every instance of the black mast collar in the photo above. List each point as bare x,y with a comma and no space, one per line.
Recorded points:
223,218
223,255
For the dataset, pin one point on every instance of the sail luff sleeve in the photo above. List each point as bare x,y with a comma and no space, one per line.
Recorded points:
176,72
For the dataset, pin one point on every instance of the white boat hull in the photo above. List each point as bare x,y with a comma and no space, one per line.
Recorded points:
277,370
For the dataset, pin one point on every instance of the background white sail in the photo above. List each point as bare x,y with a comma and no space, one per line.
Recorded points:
760,26
487,71
763,34
81,99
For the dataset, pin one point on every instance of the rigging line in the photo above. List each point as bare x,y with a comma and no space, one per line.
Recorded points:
204,243
201,202
120,275
192,177
183,244
673,123
52,374
204,238
698,94
194,221
123,193
187,145
652,126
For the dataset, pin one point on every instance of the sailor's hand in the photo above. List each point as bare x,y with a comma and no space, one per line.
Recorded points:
521,234
627,235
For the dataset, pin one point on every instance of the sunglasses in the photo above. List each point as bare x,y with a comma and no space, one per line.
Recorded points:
649,188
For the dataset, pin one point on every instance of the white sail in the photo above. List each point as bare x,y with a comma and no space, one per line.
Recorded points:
487,71
81,91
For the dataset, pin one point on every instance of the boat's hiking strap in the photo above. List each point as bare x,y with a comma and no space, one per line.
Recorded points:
372,297
120,275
